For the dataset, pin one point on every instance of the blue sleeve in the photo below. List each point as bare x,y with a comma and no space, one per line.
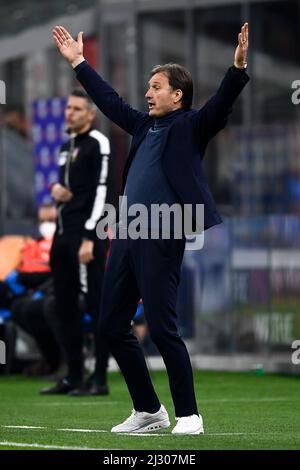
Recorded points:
213,116
107,99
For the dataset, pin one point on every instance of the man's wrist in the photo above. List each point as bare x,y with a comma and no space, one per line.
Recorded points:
242,66
77,61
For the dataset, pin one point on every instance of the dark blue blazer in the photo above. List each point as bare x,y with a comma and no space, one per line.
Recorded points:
186,140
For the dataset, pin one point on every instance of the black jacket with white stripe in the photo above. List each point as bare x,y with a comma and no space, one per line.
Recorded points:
83,164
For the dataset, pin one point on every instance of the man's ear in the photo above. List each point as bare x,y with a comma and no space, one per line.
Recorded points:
178,96
93,114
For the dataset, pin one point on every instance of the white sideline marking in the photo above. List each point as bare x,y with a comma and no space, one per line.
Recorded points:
81,430
79,403
51,429
124,433
229,433
23,427
45,446
138,434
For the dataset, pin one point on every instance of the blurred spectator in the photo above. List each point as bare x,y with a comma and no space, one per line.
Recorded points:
36,253
26,289
28,265
17,164
15,120
35,313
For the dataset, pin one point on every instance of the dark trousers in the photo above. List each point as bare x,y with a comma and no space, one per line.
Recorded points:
149,269
70,277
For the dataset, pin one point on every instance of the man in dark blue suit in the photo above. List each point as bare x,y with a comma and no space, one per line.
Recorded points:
163,167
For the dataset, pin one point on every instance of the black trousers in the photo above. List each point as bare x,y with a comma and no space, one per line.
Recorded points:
70,277
149,269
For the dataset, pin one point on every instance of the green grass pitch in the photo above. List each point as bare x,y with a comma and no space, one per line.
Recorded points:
240,411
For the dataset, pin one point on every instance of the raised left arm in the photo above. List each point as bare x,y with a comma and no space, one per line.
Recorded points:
213,116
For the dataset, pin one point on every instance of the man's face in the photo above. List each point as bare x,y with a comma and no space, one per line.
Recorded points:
47,221
78,115
162,99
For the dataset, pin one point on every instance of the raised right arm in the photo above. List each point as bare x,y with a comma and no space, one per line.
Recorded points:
103,95
107,99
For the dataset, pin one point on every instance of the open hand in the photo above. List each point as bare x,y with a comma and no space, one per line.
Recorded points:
70,49
240,56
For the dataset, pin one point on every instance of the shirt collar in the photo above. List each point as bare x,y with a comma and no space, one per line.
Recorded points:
167,119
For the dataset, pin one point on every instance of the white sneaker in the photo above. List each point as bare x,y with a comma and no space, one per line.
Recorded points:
189,425
141,421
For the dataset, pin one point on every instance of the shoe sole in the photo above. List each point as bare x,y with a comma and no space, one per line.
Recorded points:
149,428
200,431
